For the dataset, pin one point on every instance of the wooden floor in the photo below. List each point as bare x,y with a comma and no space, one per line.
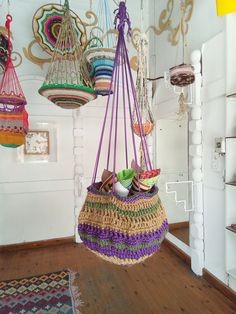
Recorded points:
163,284
182,234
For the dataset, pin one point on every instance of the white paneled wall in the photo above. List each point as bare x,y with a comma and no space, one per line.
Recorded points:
37,198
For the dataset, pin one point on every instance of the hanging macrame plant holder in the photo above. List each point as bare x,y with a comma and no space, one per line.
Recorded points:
124,229
147,120
100,51
182,76
12,98
67,83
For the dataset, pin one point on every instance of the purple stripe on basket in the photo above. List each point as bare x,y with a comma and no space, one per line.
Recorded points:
122,254
118,237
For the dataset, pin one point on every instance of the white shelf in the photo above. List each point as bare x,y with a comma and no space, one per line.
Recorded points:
232,273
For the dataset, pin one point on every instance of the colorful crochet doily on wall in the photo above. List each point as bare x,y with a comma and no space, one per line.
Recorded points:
46,24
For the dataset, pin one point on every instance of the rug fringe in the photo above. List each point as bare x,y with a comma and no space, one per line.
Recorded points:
74,291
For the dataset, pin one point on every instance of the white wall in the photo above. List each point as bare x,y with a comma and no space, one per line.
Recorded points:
205,28
172,158
213,127
37,198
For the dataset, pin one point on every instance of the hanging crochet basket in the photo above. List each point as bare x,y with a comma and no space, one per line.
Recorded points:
124,231
67,83
122,219
102,60
182,75
12,98
67,96
13,128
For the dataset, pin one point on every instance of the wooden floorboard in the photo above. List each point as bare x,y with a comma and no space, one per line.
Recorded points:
182,234
163,284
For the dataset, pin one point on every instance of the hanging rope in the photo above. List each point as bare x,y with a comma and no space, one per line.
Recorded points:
122,220
122,73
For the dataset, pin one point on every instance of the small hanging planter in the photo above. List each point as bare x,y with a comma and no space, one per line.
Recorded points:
100,52
147,128
12,98
182,75
67,83
102,61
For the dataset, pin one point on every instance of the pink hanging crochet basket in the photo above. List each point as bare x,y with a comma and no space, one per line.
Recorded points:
12,98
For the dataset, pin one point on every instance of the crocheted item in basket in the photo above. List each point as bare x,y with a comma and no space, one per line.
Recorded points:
67,83
122,230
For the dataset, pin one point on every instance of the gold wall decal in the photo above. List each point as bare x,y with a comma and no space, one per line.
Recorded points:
16,57
89,15
32,58
165,21
165,24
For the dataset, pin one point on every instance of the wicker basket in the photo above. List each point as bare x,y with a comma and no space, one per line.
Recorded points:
102,60
68,96
122,230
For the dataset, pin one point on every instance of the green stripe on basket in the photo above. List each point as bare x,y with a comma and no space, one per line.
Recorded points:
121,212
120,246
80,87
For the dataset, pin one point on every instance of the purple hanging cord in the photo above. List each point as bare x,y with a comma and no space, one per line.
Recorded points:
122,63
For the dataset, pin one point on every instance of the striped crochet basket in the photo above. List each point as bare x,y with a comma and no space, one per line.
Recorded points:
122,230
102,61
68,96
13,128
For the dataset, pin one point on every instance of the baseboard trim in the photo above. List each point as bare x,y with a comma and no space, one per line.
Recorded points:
36,244
179,225
219,285
181,254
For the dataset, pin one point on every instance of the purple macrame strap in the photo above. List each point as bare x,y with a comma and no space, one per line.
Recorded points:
122,74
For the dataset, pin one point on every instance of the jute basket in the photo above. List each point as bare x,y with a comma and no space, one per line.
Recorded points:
122,230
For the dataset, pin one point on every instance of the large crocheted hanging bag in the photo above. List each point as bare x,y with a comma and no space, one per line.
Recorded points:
12,98
122,219
100,51
67,83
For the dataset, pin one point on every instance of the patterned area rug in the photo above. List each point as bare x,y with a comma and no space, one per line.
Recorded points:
54,293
